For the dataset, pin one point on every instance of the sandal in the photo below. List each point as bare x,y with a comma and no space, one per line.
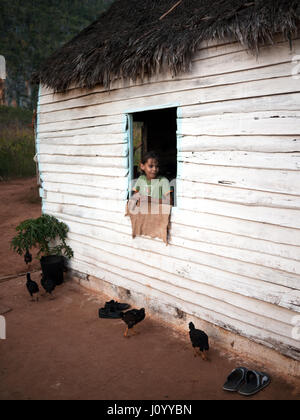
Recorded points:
115,306
235,379
107,313
254,382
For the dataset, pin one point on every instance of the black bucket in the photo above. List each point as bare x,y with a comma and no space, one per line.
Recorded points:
53,268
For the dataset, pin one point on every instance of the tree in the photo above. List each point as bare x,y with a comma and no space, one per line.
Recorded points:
31,30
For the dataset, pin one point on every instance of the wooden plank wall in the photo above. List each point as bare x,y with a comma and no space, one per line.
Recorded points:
234,253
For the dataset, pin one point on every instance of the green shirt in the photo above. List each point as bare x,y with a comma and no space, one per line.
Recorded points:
155,188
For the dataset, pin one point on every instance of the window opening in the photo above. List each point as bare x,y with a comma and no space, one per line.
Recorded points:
156,130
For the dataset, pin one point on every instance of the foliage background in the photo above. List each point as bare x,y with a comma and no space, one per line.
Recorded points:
31,30
17,146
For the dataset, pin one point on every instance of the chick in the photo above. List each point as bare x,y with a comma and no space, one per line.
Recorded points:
48,284
199,340
132,317
32,287
27,257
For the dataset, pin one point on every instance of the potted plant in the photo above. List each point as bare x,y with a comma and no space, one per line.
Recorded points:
48,235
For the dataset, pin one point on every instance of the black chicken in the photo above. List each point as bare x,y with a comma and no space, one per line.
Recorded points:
48,284
132,317
27,257
32,287
199,340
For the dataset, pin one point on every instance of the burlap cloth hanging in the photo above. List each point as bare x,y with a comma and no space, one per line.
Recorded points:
148,218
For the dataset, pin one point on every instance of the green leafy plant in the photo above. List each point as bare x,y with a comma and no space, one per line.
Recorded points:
46,233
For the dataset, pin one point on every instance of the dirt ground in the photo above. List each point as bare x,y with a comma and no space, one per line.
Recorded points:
59,349
18,202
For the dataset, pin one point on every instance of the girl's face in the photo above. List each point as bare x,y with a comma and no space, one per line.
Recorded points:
151,168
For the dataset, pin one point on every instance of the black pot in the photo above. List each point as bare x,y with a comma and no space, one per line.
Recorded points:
53,267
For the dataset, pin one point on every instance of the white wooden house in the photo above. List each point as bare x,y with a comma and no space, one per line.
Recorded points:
233,259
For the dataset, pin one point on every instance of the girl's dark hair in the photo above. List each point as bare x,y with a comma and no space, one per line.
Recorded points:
149,155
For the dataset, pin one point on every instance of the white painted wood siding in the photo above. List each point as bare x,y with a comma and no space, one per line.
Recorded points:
234,252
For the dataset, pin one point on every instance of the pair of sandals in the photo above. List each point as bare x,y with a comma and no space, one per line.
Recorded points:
113,309
246,382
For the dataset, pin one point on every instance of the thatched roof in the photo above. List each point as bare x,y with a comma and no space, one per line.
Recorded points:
138,37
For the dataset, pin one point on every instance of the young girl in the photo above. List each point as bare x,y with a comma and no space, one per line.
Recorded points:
150,184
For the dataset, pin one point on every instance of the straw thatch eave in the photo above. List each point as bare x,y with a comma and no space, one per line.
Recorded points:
137,37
